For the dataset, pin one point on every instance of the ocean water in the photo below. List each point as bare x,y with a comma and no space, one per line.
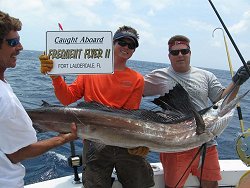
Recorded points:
31,87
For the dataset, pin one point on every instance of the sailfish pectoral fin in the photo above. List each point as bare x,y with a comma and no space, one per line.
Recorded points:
199,122
45,104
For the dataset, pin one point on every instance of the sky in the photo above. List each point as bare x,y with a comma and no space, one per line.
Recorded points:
155,20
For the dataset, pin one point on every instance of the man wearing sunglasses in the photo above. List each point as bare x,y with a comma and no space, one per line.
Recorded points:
202,86
18,139
123,89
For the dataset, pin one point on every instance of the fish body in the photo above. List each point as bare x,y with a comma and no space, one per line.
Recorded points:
174,130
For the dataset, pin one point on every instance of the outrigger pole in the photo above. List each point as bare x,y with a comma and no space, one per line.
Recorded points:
230,37
232,74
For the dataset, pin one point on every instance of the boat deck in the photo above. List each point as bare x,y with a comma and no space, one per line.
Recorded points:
231,171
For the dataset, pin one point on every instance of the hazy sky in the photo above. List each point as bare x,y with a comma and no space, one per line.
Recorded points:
155,20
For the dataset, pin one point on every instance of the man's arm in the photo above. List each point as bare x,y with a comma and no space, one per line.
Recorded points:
64,93
228,89
42,146
238,79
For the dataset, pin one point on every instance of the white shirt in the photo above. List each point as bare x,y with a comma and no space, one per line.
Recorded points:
16,132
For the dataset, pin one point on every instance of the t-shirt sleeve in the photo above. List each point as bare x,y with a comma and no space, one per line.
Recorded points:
215,88
158,82
68,94
16,130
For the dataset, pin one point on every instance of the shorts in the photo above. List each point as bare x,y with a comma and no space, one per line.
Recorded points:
132,171
175,164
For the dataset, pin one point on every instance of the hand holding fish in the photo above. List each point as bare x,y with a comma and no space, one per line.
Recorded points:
141,151
68,137
241,75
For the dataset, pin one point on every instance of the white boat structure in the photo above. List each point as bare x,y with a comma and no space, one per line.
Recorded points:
231,171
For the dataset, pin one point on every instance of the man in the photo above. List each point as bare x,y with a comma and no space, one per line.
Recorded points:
17,136
201,86
123,89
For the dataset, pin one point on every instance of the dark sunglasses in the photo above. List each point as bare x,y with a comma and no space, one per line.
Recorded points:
13,42
176,52
124,43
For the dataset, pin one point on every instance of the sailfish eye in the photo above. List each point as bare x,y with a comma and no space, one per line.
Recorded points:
215,107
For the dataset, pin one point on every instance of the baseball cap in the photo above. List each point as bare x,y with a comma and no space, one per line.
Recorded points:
126,34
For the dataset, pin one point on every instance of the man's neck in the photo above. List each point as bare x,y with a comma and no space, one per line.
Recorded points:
120,65
2,75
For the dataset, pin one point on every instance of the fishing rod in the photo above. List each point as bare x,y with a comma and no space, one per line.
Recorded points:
74,160
242,146
232,74
230,37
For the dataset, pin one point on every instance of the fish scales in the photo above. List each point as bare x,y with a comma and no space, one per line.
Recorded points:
170,131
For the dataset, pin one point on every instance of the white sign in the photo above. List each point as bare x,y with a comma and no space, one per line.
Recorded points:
80,52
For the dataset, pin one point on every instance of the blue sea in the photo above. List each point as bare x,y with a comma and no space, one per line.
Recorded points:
31,87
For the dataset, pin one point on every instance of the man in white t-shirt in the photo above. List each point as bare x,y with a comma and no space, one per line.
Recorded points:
18,139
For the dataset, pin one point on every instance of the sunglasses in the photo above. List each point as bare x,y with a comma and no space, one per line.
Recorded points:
124,43
176,52
13,42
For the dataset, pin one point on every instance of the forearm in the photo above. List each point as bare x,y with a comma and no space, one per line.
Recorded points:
62,91
228,89
36,149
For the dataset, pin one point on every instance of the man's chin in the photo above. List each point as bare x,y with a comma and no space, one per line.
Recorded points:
13,65
181,62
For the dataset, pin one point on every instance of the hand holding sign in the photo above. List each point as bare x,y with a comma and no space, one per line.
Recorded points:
46,63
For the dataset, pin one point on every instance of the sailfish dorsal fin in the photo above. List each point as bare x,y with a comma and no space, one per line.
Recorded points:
176,100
